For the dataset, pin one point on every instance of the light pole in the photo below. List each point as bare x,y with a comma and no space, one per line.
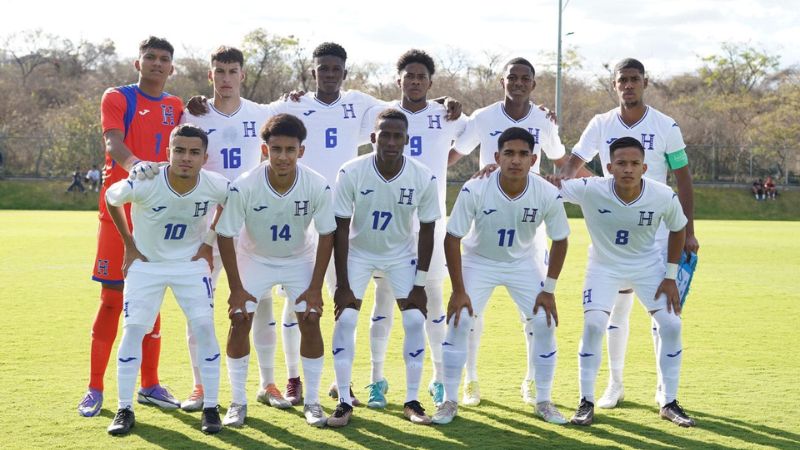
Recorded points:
558,59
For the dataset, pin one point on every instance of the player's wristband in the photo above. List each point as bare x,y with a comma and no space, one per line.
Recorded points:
672,271
210,238
421,278
549,285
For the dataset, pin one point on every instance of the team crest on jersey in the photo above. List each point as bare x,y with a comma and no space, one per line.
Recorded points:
349,111
201,208
167,115
301,207
529,214
406,196
648,140
535,133
434,122
646,218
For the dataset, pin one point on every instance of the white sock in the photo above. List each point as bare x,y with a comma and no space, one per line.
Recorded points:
208,358
291,339
671,352
237,375
657,351
312,372
380,326
265,339
129,359
192,344
590,351
472,350
617,332
435,326
530,352
454,353
344,342
545,356
413,350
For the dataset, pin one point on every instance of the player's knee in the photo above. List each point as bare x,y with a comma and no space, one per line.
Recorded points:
538,325
594,323
240,323
348,318
669,325
309,322
413,319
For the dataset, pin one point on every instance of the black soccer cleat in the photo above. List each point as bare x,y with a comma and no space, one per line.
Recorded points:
123,422
673,412
585,413
210,422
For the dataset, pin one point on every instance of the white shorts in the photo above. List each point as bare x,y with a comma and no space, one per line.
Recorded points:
601,286
147,282
399,272
523,281
258,278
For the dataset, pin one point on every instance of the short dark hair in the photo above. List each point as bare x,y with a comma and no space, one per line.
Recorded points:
284,125
225,54
629,63
330,49
625,142
392,114
514,133
522,62
190,130
157,43
416,56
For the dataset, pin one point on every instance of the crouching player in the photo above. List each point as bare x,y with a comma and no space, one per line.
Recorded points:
167,249
623,214
275,202
499,215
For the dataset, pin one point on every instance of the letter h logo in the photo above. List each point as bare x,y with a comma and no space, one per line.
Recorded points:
406,198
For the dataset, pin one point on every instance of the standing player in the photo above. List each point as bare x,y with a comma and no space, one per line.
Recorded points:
499,216
381,193
430,140
664,152
234,147
167,249
623,215
137,120
275,202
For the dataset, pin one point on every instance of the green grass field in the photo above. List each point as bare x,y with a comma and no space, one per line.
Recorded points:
740,375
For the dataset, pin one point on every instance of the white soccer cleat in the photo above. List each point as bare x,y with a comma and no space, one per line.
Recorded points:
195,400
528,392
271,396
550,414
235,415
315,416
472,394
445,413
613,395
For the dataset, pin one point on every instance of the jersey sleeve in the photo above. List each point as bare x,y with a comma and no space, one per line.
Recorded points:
429,203
556,219
324,220
121,192
588,145
676,148
553,148
112,111
574,190
233,213
673,216
468,139
463,212
344,194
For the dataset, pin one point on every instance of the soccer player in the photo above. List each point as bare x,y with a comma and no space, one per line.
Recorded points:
137,120
167,249
275,203
664,152
378,197
623,215
234,147
499,215
430,139
485,124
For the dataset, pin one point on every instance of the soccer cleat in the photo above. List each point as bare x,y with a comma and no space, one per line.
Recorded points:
195,400
123,422
445,413
550,414
416,413
294,391
334,394
91,404
585,413
271,396
159,396
472,394
315,416
209,421
436,389
235,415
377,394
613,396
341,416
528,392
673,412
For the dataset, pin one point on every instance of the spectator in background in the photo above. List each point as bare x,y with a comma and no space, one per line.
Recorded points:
770,191
76,181
93,178
758,189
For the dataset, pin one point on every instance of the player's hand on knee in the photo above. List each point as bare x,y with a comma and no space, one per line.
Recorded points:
205,252
131,254
669,288
144,170
486,171
418,299
458,301
547,301
197,105
343,298
313,299
454,108
237,303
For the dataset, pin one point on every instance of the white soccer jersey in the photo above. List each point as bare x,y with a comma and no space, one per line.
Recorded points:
334,130
486,124
382,211
658,133
501,228
624,234
276,226
234,144
167,226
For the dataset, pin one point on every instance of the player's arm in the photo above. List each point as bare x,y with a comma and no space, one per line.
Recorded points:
683,177
343,297
458,298
313,295
546,298
668,286
116,197
572,166
206,250
122,155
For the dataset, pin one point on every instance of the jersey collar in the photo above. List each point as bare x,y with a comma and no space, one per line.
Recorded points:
619,117
269,186
377,172
641,194
521,194
166,181
530,111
